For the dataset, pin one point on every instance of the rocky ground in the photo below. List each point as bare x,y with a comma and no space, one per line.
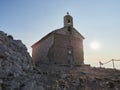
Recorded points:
18,72
80,78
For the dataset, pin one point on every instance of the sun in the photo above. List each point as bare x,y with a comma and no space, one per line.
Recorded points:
95,45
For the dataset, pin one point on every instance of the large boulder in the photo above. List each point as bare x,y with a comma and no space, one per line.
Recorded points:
14,57
15,62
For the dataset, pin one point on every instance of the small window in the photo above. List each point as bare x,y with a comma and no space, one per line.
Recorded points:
68,21
69,30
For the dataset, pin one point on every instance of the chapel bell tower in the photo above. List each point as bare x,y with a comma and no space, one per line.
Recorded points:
68,20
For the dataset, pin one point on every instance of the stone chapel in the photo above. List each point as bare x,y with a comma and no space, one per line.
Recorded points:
62,46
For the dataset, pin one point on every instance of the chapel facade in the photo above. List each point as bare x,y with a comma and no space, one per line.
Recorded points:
62,46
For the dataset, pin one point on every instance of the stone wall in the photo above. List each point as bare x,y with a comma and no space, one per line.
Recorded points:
60,49
54,48
40,50
78,52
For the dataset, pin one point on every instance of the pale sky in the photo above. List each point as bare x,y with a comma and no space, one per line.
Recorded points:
97,20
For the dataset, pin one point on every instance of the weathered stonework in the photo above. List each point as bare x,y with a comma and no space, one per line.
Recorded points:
62,46
40,51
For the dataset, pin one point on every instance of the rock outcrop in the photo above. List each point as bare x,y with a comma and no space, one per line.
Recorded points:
15,62
17,72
